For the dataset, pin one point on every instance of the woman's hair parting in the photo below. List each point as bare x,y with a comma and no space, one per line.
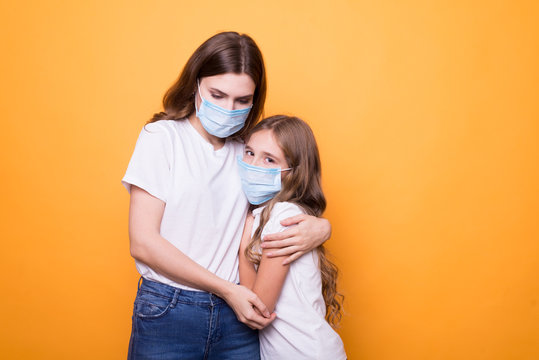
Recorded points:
226,52
302,186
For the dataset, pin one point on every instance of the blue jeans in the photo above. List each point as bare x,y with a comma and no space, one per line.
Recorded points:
171,323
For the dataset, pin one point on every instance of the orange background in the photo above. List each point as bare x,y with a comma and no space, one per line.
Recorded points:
427,119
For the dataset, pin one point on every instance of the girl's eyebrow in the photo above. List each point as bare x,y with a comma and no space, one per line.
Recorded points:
269,154
264,153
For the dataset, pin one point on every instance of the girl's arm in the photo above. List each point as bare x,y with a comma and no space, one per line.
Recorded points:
148,246
247,268
268,282
271,274
292,243
270,279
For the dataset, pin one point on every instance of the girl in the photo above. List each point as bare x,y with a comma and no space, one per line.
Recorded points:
282,149
187,211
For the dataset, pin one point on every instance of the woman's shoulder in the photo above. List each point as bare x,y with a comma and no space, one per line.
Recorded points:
162,126
167,129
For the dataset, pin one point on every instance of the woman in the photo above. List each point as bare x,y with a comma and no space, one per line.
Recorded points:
187,211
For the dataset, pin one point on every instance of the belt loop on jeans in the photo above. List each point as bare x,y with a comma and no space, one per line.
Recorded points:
139,282
175,298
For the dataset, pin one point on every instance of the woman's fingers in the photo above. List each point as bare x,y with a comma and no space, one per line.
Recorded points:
288,233
293,220
260,322
254,319
293,257
260,306
286,251
248,307
276,244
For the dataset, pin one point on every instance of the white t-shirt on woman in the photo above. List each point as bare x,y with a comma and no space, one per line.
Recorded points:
300,330
205,207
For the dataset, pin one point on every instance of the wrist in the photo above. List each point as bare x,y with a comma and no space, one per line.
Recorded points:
224,289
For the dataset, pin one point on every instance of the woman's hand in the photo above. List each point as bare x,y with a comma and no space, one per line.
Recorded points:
309,233
249,309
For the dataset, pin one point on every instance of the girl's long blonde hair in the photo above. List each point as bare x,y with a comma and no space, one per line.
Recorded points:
301,185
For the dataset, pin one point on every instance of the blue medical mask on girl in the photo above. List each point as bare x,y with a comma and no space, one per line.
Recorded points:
218,121
259,184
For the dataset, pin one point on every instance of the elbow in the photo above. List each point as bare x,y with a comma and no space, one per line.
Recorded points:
137,249
327,229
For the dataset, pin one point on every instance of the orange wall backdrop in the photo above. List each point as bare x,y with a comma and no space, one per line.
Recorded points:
426,113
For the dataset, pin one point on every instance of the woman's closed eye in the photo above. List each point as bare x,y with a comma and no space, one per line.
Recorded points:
244,101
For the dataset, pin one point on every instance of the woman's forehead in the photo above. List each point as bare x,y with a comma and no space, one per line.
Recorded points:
236,85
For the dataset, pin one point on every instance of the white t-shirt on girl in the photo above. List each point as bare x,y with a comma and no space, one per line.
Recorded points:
300,330
205,207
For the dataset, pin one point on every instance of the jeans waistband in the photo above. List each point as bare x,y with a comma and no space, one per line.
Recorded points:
187,296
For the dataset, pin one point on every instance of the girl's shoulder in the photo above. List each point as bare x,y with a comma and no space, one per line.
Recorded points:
283,210
280,212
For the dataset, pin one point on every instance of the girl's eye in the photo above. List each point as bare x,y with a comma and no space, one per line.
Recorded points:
216,96
249,153
244,102
270,160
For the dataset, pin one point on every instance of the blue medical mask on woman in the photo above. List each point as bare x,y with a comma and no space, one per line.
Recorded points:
218,121
259,184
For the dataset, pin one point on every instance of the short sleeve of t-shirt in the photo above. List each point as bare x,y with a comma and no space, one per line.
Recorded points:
150,165
280,211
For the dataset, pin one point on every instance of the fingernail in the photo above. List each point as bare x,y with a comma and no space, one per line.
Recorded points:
267,314
270,254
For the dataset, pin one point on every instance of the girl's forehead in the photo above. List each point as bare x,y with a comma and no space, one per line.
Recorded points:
262,137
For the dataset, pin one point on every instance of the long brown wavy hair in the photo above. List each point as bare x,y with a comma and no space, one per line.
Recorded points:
301,185
226,52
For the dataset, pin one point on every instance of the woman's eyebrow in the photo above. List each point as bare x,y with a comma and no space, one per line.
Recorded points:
219,91
245,97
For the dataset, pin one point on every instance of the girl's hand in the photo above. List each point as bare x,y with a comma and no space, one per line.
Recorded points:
309,233
249,309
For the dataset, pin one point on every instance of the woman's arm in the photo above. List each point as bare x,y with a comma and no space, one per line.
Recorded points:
292,243
247,268
148,246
